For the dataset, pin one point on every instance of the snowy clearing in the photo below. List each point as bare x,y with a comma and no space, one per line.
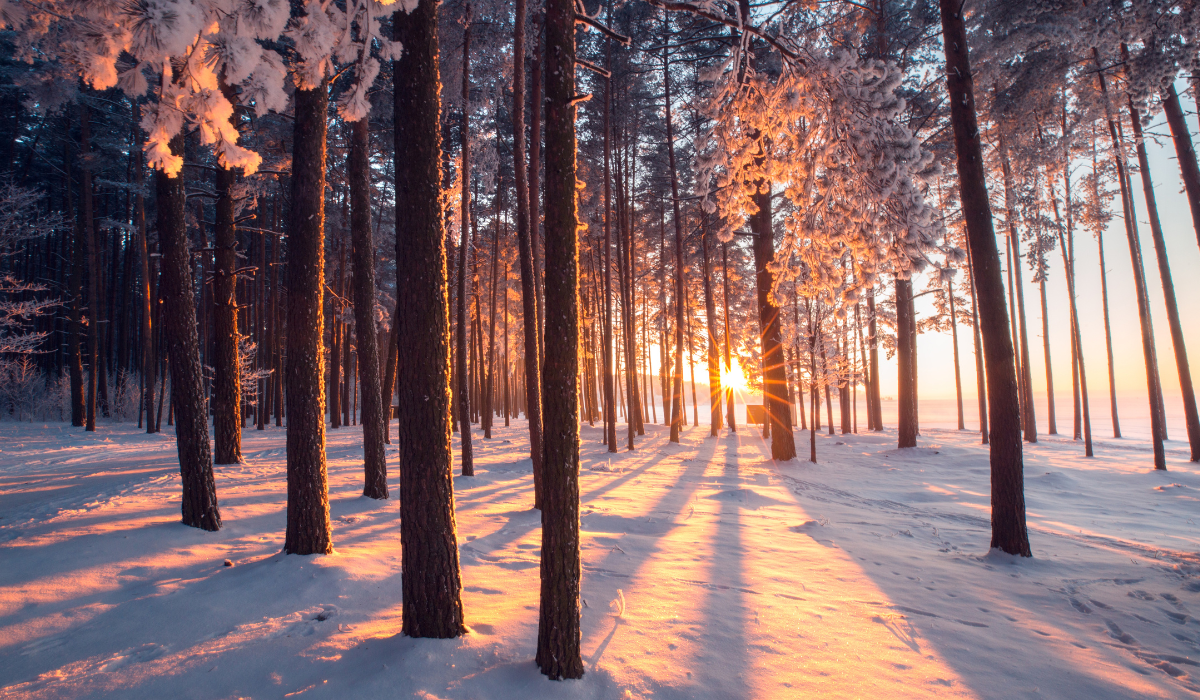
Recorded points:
709,572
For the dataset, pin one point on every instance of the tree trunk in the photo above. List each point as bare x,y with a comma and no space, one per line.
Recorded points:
729,412
75,289
710,316
373,417
906,400
463,389
1017,287
558,649
432,588
610,405
783,443
308,491
1112,384
1191,416
526,221
179,332
677,409
980,379
1153,385
147,363
95,364
957,369
874,401
1009,533
1185,153
227,390
1052,429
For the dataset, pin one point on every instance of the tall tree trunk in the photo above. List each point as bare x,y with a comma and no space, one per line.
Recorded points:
610,405
1052,429
906,399
664,366
147,362
1025,376
980,379
677,409
179,333
536,104
463,389
490,389
432,587
710,316
1009,533
1191,416
783,443
558,649
95,364
957,369
373,418
308,490
336,333
729,412
1153,385
227,394
1066,246
1184,152
75,289
1112,384
874,401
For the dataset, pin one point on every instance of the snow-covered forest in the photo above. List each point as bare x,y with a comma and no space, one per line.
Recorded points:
357,348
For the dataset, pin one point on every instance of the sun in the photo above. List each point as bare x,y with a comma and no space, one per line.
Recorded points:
733,377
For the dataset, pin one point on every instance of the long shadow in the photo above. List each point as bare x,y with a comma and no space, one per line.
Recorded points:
941,631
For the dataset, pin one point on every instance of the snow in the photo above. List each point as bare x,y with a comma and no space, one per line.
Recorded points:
865,575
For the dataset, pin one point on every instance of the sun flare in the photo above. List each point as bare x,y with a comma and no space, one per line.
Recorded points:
733,377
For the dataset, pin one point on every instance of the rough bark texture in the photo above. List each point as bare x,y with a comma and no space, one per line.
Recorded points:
432,586
775,389
710,327
373,417
677,410
558,649
183,350
606,352
1009,533
226,389
308,490
529,305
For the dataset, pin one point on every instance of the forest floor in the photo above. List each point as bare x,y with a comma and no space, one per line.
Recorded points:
866,575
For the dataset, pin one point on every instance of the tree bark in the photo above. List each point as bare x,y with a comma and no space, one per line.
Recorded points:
906,399
463,390
677,409
363,243
227,390
610,404
714,361
95,365
1185,153
432,587
729,412
1009,533
558,649
1153,385
147,364
775,390
75,289
957,368
308,491
874,402
1191,416
179,333
526,200
1052,429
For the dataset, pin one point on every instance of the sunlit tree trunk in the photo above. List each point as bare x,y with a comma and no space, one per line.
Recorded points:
227,380
1009,533
1191,416
558,648
373,416
308,489
462,392
432,587
179,333
526,218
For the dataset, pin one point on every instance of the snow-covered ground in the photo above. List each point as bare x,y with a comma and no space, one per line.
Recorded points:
866,575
